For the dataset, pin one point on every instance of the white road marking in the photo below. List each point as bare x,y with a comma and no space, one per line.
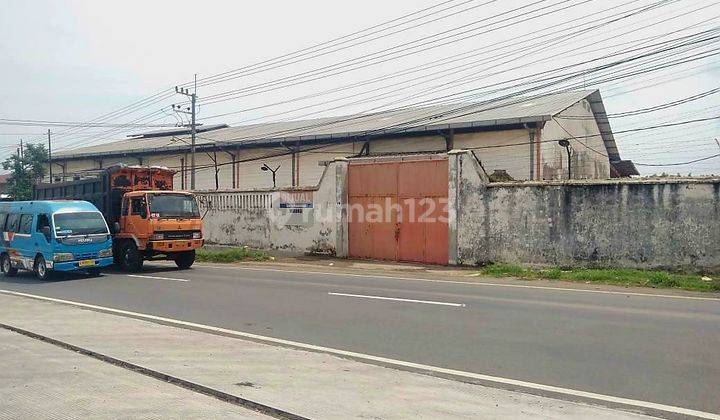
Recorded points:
155,277
468,283
430,302
387,361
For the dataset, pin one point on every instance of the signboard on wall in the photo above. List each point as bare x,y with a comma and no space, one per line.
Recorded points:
296,199
296,207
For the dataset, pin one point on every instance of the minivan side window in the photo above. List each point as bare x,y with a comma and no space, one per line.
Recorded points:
3,218
43,220
13,222
26,224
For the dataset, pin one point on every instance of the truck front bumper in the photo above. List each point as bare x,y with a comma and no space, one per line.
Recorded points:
175,245
76,265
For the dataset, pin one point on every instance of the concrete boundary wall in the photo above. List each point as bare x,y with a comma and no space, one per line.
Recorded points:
291,219
641,223
672,224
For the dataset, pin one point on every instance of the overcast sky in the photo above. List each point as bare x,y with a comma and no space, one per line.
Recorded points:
77,60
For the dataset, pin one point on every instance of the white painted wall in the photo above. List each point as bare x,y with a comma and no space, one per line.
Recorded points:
230,220
587,157
493,151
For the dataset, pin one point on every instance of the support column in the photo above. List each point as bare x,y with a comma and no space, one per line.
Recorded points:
182,173
449,140
531,138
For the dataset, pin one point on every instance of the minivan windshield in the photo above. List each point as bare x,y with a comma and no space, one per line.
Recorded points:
173,205
80,223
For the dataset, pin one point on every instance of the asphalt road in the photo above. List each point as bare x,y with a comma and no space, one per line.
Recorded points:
650,348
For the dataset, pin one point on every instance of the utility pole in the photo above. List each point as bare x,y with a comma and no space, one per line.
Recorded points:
50,157
22,151
191,112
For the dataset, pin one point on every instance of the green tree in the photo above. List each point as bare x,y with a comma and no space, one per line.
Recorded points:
25,171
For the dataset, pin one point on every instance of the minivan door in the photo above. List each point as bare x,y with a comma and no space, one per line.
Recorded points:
23,241
41,238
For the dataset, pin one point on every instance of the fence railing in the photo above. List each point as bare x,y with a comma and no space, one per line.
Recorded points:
234,200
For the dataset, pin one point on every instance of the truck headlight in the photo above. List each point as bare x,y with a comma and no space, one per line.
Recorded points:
197,235
157,237
105,253
62,257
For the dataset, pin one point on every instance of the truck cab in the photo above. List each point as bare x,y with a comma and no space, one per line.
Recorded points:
158,224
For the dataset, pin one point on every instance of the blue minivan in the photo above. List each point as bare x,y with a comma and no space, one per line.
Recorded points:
53,235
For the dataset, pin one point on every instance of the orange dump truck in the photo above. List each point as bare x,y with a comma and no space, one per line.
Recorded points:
149,220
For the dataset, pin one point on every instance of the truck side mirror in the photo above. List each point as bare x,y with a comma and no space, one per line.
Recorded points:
143,213
116,227
47,232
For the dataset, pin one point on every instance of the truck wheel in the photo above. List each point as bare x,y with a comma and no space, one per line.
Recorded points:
93,272
130,258
6,266
185,260
116,254
40,268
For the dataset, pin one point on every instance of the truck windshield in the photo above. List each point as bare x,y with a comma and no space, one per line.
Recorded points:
81,223
173,205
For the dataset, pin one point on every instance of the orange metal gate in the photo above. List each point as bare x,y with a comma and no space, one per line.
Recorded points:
398,211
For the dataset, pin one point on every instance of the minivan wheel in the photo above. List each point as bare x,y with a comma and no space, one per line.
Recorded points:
40,268
6,266
130,258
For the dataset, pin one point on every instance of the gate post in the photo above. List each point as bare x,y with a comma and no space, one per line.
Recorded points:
454,176
465,176
341,201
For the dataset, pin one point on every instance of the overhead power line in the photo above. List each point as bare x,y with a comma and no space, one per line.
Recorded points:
46,123
648,109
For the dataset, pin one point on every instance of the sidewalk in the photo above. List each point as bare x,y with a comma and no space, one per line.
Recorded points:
308,384
40,380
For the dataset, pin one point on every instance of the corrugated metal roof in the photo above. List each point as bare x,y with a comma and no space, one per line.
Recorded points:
408,120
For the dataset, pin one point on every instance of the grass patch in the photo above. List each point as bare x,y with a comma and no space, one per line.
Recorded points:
614,276
229,255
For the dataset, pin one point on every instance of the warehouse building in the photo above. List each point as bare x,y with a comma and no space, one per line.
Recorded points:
516,139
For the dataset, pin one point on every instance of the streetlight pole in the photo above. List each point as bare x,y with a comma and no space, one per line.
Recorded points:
566,144
265,167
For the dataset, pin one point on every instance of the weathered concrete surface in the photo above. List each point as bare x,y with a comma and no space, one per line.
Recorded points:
318,229
313,385
670,224
40,380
